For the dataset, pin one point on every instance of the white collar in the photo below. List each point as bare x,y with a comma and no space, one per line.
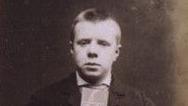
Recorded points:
81,81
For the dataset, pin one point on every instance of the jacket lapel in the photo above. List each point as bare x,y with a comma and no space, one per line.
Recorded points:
116,93
74,93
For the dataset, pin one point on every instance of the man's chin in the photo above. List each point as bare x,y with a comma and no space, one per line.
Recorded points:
92,76
92,79
91,69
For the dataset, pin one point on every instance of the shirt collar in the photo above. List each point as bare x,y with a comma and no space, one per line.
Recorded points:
81,81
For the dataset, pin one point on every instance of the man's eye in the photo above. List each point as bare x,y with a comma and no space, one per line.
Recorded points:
103,43
83,42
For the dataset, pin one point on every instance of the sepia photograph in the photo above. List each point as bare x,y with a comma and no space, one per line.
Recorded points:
93,53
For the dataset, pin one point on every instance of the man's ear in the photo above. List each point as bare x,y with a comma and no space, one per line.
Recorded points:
71,51
117,52
118,48
71,47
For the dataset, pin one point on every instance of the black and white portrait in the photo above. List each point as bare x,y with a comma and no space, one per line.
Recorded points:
93,53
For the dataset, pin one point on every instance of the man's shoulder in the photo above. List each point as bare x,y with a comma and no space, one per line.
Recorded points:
59,86
138,96
129,95
53,93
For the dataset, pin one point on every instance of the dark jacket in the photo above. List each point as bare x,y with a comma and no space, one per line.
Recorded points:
66,93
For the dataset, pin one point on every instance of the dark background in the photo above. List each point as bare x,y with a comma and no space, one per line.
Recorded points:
34,36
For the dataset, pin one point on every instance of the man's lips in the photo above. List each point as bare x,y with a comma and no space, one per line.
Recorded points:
92,64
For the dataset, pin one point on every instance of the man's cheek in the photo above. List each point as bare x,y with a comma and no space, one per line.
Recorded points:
80,57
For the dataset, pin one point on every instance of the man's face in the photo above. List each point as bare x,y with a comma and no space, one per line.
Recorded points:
95,48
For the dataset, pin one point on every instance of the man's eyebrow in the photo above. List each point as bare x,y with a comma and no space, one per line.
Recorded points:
84,39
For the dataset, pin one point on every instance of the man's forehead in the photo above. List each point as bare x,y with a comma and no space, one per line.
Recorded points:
101,27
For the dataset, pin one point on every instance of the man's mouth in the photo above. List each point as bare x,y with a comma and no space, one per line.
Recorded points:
92,64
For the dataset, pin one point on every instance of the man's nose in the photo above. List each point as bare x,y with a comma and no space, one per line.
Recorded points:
92,55
92,51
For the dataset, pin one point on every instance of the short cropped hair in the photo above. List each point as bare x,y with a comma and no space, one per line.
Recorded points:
93,15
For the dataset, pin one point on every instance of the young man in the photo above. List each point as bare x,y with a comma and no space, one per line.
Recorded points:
95,43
